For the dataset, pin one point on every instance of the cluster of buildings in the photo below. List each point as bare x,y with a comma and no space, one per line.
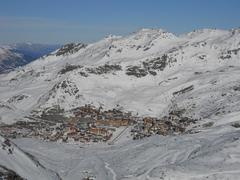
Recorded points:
174,123
90,124
87,125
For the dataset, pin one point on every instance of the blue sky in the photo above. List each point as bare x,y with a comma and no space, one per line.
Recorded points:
62,21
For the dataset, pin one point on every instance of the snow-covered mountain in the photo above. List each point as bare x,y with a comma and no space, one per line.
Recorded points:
141,72
15,55
150,72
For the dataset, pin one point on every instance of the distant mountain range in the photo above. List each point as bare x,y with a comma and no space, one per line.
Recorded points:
15,55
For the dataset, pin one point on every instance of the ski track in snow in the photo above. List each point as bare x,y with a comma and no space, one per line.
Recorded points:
114,176
212,154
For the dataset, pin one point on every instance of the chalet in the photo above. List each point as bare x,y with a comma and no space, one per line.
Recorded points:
99,131
148,122
72,130
113,122
162,128
85,123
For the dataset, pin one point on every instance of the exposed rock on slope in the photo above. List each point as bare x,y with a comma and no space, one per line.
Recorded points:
189,83
120,71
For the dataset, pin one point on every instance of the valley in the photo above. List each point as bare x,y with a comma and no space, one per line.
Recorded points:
149,105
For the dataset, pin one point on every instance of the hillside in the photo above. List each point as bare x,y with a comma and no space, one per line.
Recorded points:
17,164
110,100
140,73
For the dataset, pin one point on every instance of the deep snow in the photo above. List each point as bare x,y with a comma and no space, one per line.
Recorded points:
206,60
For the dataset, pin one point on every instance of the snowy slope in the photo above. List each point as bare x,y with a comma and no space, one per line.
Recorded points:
149,72
213,153
206,59
24,165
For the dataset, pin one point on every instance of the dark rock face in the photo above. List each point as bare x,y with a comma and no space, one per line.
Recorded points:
66,86
182,91
7,174
106,68
150,66
69,68
233,51
17,98
236,125
229,54
70,49
136,71
158,63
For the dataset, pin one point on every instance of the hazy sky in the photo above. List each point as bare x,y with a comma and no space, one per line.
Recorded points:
61,21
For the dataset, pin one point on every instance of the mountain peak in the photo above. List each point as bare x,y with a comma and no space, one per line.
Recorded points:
112,37
147,33
205,31
150,31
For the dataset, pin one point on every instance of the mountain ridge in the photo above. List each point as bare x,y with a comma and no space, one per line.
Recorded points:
139,59
180,97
